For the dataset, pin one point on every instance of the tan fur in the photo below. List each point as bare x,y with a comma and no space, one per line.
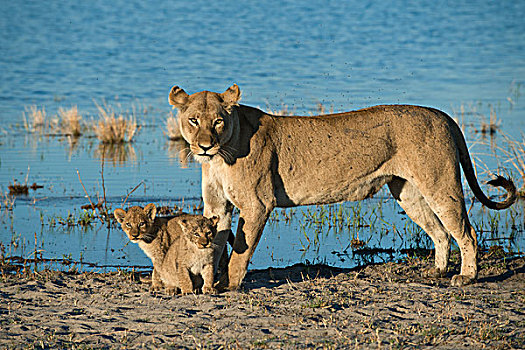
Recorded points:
180,248
256,162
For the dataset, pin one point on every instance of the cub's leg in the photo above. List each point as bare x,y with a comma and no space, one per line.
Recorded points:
168,270
185,282
415,206
447,202
156,282
207,276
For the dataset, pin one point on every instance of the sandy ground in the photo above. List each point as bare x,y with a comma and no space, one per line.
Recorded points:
380,306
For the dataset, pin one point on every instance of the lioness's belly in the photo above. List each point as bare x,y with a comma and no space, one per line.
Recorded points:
326,193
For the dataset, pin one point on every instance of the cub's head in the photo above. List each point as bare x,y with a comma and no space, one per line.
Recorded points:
208,121
137,222
199,230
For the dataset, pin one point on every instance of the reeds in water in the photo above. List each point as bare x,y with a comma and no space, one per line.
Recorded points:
113,127
70,121
514,152
34,118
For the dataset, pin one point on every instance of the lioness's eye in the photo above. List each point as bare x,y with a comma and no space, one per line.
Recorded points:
193,121
218,122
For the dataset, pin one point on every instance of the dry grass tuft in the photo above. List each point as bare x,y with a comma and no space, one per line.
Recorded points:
322,109
70,121
492,126
172,127
7,201
515,154
34,118
283,111
113,127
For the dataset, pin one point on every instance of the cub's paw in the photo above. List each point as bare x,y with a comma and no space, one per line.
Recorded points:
434,272
209,290
171,290
461,280
155,288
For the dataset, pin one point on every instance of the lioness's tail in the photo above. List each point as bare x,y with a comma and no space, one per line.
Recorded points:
499,181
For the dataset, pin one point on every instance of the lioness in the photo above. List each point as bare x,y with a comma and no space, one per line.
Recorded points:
257,161
181,248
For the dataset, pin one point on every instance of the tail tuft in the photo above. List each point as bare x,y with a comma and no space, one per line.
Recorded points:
509,186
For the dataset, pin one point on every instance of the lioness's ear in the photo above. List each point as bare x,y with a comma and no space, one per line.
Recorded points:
231,97
119,215
151,211
178,97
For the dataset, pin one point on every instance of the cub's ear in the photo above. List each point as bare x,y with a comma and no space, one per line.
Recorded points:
183,223
151,211
178,97
215,220
231,97
120,214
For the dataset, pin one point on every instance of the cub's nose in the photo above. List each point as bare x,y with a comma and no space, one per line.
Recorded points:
203,242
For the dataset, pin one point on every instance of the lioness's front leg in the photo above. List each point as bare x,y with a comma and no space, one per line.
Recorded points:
216,204
249,231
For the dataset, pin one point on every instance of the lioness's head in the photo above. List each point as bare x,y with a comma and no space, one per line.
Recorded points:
137,222
208,121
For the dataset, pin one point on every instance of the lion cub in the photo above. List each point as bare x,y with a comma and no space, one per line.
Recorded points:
181,248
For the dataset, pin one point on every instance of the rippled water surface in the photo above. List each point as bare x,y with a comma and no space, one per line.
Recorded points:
466,58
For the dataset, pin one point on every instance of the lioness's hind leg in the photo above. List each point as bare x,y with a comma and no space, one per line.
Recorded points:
449,206
416,207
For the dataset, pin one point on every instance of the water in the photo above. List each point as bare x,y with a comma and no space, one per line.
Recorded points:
346,55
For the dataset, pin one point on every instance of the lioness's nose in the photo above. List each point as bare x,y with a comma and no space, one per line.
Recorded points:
205,148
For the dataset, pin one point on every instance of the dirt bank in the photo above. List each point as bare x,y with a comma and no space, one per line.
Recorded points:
381,306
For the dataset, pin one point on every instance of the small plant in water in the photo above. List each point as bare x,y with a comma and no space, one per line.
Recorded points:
34,118
492,126
113,127
8,201
70,121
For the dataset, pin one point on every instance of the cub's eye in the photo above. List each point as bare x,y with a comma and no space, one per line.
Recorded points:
194,121
218,122
142,224
128,225
196,234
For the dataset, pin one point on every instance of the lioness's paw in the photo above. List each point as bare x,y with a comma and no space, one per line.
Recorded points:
461,280
209,290
222,285
434,272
